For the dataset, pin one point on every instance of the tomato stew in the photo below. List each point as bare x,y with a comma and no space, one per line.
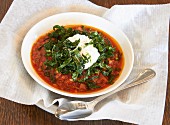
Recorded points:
64,81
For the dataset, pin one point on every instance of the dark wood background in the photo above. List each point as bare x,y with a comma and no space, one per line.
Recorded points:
16,114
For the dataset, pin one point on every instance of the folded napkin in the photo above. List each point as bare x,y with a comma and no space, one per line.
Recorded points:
146,27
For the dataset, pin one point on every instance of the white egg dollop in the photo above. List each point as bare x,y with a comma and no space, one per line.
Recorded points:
89,50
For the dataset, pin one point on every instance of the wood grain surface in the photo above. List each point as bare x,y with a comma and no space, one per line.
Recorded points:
16,114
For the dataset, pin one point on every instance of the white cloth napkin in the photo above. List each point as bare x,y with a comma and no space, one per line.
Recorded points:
146,27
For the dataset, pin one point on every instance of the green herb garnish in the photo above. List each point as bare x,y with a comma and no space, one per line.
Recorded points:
65,56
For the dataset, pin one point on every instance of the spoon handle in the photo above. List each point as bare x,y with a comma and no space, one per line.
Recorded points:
143,77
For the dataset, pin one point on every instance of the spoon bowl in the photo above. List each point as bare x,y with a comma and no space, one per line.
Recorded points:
73,110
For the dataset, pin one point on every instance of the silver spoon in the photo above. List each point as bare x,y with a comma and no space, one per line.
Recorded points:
81,109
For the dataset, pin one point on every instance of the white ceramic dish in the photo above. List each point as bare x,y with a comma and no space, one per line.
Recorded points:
72,18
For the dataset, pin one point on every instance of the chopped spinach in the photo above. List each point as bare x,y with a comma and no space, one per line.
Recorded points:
92,85
66,57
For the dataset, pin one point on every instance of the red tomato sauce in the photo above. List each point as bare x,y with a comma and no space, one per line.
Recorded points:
65,82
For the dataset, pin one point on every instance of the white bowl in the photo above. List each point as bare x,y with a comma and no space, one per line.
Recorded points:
72,18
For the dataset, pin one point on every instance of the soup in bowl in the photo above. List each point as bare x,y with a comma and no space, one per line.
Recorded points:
77,55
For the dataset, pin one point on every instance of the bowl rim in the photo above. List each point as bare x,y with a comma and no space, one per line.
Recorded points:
79,95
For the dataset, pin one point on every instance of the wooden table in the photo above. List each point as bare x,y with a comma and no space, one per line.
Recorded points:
16,114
